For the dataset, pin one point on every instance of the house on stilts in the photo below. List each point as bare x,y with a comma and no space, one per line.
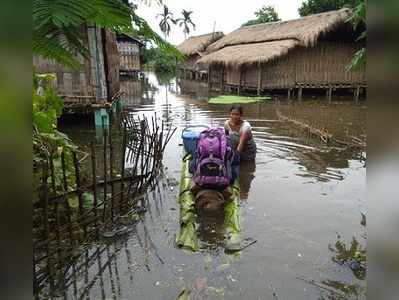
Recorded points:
129,54
193,49
306,53
95,86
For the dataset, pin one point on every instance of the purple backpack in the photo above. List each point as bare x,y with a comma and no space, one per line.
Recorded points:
213,159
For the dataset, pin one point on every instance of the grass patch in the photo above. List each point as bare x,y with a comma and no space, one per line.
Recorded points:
230,99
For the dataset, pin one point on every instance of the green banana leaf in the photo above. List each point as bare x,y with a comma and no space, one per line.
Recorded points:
188,235
230,99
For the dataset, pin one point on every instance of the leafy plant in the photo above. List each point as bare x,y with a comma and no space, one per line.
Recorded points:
48,142
358,18
57,26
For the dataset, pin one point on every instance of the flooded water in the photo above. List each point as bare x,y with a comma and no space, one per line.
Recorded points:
297,201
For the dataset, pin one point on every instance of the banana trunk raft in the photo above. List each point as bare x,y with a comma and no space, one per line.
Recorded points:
188,236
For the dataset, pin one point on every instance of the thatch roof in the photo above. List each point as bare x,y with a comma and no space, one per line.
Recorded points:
249,53
197,44
264,42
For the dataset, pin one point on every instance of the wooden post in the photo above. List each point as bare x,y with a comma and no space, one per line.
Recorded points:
288,94
357,93
93,167
329,94
78,185
259,78
105,172
300,94
239,84
222,81
66,203
123,163
209,78
111,175
47,226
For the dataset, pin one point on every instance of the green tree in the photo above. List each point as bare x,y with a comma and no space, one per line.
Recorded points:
186,22
358,18
311,7
264,15
167,17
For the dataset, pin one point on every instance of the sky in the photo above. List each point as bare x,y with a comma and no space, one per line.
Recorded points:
228,14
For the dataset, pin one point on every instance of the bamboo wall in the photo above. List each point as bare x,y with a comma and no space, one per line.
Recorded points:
98,80
112,62
69,82
317,66
129,56
132,90
97,69
189,63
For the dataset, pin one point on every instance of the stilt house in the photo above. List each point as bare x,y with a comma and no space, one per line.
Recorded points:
193,49
129,54
309,52
97,82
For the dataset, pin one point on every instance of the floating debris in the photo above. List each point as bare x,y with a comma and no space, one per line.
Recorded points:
238,246
184,295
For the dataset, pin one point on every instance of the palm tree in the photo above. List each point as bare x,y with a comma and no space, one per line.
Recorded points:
186,22
167,17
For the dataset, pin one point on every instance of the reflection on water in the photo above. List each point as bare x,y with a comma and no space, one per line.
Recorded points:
247,170
297,195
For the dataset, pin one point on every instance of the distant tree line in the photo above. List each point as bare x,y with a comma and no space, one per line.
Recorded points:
311,7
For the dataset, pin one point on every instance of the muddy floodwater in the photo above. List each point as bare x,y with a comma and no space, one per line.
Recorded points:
302,201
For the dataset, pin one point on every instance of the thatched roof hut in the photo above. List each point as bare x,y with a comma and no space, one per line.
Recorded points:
264,42
193,49
311,51
197,44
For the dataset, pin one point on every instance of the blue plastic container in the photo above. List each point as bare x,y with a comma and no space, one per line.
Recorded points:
190,136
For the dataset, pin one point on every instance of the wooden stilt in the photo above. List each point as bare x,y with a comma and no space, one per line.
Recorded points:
288,94
209,79
329,94
259,78
300,94
239,84
357,93
94,176
222,81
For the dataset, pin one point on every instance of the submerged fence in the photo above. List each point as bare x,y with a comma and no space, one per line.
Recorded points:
83,198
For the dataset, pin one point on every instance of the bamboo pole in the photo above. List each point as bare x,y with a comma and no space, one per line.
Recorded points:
259,78
57,215
105,171
46,225
222,81
209,79
78,184
111,168
123,162
239,84
65,201
357,93
94,176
